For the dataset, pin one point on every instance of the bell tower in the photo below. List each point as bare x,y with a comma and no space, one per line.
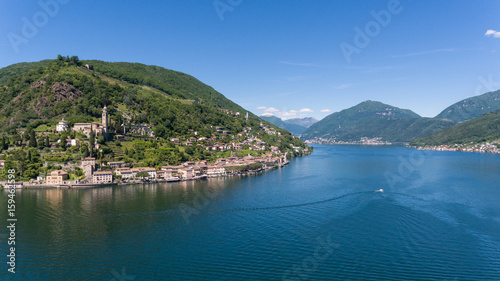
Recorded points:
105,119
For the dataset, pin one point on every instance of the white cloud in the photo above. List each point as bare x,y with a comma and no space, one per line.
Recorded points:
289,113
271,109
325,110
267,114
491,32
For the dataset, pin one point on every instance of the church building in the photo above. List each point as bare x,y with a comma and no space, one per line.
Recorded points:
99,129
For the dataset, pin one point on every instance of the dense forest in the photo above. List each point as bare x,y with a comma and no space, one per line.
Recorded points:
174,83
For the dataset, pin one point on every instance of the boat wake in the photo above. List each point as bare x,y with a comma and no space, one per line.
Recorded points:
295,205
255,208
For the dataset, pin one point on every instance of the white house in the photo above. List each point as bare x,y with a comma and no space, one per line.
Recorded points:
150,171
216,170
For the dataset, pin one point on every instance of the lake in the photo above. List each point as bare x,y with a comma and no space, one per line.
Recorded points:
319,218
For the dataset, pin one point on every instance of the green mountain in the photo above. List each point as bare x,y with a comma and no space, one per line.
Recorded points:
296,125
372,119
174,104
472,107
485,128
173,83
12,70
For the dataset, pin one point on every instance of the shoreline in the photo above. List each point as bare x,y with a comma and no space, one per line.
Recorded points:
21,185
458,148
363,141
362,144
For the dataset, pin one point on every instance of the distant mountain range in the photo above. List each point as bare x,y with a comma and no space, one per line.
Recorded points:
472,107
296,125
373,119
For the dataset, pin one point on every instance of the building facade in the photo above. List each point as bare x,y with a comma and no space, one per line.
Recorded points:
57,177
102,177
88,166
99,129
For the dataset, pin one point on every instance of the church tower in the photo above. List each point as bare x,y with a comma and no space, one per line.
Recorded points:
105,119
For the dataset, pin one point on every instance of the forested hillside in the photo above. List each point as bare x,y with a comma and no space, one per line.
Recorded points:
371,119
485,128
473,107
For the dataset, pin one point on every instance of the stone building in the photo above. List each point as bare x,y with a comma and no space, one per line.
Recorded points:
99,129
88,166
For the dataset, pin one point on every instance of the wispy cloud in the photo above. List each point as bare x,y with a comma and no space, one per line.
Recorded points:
267,114
297,78
299,63
343,86
449,50
261,108
325,110
491,32
371,69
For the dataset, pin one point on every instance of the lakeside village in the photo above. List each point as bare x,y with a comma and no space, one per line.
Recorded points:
487,147
362,141
245,154
493,147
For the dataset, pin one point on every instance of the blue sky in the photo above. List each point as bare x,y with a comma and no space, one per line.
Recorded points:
280,57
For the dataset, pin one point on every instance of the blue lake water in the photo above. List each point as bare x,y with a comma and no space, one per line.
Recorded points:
319,218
